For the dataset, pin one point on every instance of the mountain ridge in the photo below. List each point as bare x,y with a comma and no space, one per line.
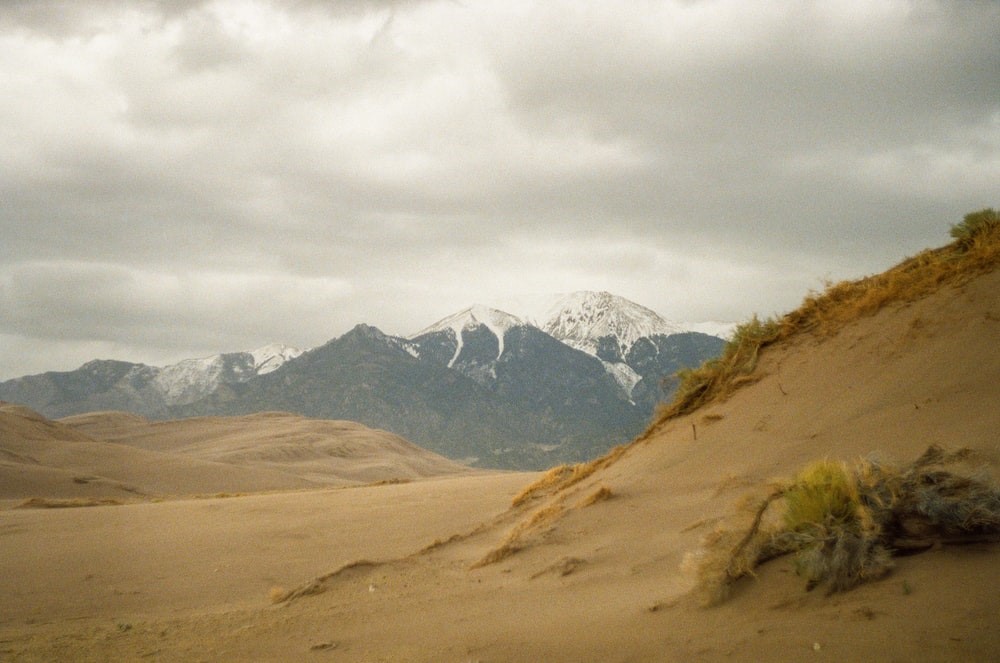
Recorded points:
482,385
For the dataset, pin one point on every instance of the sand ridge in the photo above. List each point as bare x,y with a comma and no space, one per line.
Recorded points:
123,456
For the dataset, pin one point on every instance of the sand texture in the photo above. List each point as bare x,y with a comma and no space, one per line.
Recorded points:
445,569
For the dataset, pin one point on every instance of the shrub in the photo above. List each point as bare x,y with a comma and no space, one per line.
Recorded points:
975,224
843,526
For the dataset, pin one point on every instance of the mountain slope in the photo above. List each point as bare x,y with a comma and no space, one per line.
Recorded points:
525,369
147,390
372,378
44,458
603,324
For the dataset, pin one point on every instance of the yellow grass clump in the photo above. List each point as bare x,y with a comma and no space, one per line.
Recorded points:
844,525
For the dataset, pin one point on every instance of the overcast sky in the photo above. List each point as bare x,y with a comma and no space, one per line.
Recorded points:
180,178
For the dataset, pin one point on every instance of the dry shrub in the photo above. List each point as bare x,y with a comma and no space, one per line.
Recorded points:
843,525
975,250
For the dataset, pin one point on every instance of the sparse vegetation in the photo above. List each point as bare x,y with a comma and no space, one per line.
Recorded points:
601,494
75,502
974,225
844,525
561,477
976,249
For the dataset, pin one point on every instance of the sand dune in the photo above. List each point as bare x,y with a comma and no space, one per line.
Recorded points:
321,451
595,571
48,459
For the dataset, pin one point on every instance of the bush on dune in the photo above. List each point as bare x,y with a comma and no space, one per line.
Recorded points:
844,525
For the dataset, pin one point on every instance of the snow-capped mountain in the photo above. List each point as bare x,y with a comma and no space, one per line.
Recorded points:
104,384
271,357
525,390
191,379
496,321
636,346
602,324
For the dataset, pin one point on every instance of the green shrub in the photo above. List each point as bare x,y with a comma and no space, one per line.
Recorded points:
844,526
974,224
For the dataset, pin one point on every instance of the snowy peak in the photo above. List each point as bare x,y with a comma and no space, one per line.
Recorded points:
271,357
495,320
582,319
191,379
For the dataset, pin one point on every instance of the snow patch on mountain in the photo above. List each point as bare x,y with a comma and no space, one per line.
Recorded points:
624,375
497,321
191,379
579,319
271,357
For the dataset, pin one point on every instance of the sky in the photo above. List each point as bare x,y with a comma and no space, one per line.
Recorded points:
180,178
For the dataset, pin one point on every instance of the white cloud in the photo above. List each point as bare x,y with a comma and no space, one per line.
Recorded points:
169,166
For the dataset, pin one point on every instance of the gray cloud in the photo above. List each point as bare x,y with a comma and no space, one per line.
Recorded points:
191,177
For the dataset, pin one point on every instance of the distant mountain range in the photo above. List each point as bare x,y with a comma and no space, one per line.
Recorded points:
482,386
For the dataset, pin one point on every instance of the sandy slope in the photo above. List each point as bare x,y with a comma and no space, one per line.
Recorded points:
121,456
597,582
43,458
319,450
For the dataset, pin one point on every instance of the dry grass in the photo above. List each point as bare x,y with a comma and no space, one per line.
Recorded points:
975,250
76,502
554,477
562,477
317,585
515,540
844,525
601,494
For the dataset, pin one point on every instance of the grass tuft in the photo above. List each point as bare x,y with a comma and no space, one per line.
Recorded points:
601,494
844,525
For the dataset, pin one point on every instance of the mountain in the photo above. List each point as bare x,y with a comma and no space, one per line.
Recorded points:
603,324
639,348
482,386
526,369
148,390
407,387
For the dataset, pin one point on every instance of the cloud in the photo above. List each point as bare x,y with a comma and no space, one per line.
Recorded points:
390,162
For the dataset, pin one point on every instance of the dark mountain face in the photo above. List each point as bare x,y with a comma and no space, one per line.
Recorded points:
658,358
371,378
572,401
518,400
97,385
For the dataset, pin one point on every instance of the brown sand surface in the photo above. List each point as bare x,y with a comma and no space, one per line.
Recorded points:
48,459
319,450
594,572
122,456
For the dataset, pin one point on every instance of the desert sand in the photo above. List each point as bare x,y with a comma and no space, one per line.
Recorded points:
446,569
